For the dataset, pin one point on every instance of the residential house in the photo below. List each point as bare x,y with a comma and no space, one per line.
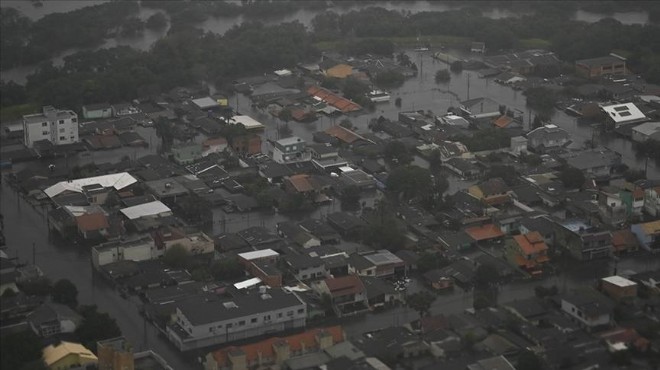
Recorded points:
288,150
529,252
588,307
213,145
337,102
117,353
247,144
347,293
648,235
597,162
358,178
141,248
305,267
117,181
186,153
478,47
623,114
9,273
326,157
485,233
583,242
492,363
166,189
438,280
601,66
492,192
274,351
618,288
547,137
147,211
97,111
381,263
652,200
348,225
461,272
195,243
462,168
299,236
646,131
542,225
624,241
93,225
123,109
67,355
321,230
380,293
262,264
53,125
209,319
52,319
340,71
518,145
248,122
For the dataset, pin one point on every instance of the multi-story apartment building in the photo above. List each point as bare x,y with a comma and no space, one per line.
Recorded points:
57,126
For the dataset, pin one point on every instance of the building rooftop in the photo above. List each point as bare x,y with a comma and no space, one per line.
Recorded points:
208,308
54,353
623,112
619,281
146,209
264,253
382,257
600,61
117,181
247,121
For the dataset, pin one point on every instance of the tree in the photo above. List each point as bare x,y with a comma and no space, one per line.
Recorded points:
429,261
571,177
227,269
456,66
528,360
176,256
485,276
165,132
95,326
284,131
20,350
409,182
506,173
383,230
285,115
65,292
421,302
157,21
397,102
396,152
442,75
435,161
350,197
632,175
39,286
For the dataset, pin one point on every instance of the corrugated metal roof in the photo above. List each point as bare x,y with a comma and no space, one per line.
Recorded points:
146,209
115,180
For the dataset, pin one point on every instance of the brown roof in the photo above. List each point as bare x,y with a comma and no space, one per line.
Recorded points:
485,232
343,285
92,222
339,71
266,349
531,243
343,134
333,99
301,183
623,239
503,121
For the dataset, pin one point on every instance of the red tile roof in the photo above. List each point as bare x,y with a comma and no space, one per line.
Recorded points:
333,99
265,347
343,134
503,121
623,239
301,183
344,285
484,232
531,243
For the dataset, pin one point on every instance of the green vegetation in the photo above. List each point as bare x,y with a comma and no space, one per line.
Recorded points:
176,256
96,326
572,178
442,75
65,292
384,231
489,139
350,198
389,79
21,351
227,269
421,302
409,182
396,153
157,21
529,360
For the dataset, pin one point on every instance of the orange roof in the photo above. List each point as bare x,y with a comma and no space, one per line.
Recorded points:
339,71
342,134
333,99
92,221
484,232
503,121
343,285
265,347
301,183
531,243
215,141
623,239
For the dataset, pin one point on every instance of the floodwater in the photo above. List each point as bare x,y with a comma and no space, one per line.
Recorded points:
220,25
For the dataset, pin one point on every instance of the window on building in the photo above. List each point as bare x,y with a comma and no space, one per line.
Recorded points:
267,318
61,122
253,320
74,119
241,323
62,137
62,131
301,310
44,132
279,315
210,329
230,325
44,124
290,313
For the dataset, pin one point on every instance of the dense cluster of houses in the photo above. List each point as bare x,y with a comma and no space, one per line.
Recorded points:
130,213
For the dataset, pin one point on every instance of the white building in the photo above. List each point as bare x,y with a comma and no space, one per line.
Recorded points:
588,307
206,320
621,114
57,126
140,249
291,149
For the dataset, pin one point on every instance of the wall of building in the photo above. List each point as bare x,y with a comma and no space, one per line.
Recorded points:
58,127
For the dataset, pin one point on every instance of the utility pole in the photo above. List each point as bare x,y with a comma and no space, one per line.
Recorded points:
468,87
